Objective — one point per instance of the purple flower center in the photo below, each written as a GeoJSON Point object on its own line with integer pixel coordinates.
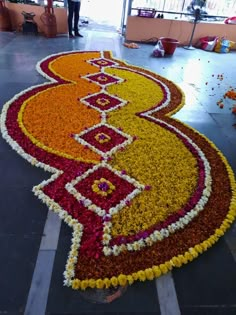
{"type": "Point", "coordinates": [103, 186]}
{"type": "Point", "coordinates": [102, 137]}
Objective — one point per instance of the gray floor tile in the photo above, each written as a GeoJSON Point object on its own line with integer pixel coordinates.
{"type": "Point", "coordinates": [17, 265]}
{"type": "Point", "coordinates": [21, 212]}
{"type": "Point", "coordinates": [140, 297]}
{"type": "Point", "coordinates": [18, 173]}
{"type": "Point", "coordinates": [208, 280]}
{"type": "Point", "coordinates": [226, 123]}
{"type": "Point", "coordinates": [210, 310]}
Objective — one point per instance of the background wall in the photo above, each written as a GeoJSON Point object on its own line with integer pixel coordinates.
{"type": "Point", "coordinates": [144, 29]}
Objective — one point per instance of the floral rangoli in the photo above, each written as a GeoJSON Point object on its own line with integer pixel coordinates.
{"type": "Point", "coordinates": [142, 192]}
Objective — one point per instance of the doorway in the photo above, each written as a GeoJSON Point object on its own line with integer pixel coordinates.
{"type": "Point", "coordinates": [103, 14]}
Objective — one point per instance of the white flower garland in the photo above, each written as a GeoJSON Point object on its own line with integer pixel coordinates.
{"type": "Point", "coordinates": [93, 61]}
{"type": "Point", "coordinates": [102, 73]}
{"type": "Point", "coordinates": [78, 227]}
{"type": "Point", "coordinates": [105, 156]}
{"type": "Point", "coordinates": [85, 102]}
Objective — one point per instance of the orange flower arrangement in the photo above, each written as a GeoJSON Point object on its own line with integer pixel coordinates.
{"type": "Point", "coordinates": [139, 189]}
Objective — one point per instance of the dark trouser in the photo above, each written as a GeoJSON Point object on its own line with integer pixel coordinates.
{"type": "Point", "coordinates": [73, 12]}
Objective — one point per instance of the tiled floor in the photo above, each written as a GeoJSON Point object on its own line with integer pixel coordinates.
{"type": "Point", "coordinates": [205, 286]}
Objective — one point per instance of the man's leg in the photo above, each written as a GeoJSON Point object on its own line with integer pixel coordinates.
{"type": "Point", "coordinates": [76, 19]}
{"type": "Point", "coordinates": [70, 15]}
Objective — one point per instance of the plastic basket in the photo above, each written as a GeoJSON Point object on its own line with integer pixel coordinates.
{"type": "Point", "coordinates": [146, 12]}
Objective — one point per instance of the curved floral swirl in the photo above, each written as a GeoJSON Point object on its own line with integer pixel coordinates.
{"type": "Point", "coordinates": [140, 189]}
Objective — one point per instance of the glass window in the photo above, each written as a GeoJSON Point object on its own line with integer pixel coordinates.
{"type": "Point", "coordinates": [213, 7]}
{"type": "Point", "coordinates": [219, 7]}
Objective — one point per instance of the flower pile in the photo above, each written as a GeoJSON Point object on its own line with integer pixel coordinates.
{"type": "Point", "coordinates": [141, 190]}
{"type": "Point", "coordinates": [230, 94]}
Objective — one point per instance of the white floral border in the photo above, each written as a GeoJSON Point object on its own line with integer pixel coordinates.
{"type": "Point", "coordinates": [106, 155]}
{"type": "Point", "coordinates": [102, 72]}
{"type": "Point", "coordinates": [89, 204]}
{"type": "Point", "coordinates": [52, 205]}
{"type": "Point", "coordinates": [91, 61]}
{"type": "Point", "coordinates": [122, 102]}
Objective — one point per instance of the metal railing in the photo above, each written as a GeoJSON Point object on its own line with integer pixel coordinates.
{"type": "Point", "coordinates": [203, 16]}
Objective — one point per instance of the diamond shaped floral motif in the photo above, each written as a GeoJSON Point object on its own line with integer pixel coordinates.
{"type": "Point", "coordinates": [103, 101]}
{"type": "Point", "coordinates": [104, 139]}
{"type": "Point", "coordinates": [104, 190]}
{"type": "Point", "coordinates": [103, 79]}
{"type": "Point", "coordinates": [102, 62]}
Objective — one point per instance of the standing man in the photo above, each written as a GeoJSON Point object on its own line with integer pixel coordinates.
{"type": "Point", "coordinates": [73, 14]}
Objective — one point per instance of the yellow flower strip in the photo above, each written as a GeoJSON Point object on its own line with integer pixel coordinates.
{"type": "Point", "coordinates": [49, 118]}
{"type": "Point", "coordinates": [159, 159]}
{"type": "Point", "coordinates": [176, 102]}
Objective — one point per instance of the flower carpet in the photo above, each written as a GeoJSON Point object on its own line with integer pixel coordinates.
{"type": "Point", "coordinates": [142, 192]}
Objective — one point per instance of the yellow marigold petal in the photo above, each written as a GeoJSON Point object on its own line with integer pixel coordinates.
{"type": "Point", "coordinates": [135, 276]}
{"type": "Point", "coordinates": [176, 262]}
{"type": "Point", "coordinates": [114, 281]}
{"type": "Point", "coordinates": [198, 248]}
{"type": "Point", "coordinates": [75, 284]}
{"type": "Point", "coordinates": [188, 256]}
{"type": "Point", "coordinates": [204, 245]}
{"type": "Point", "coordinates": [193, 252]}
{"type": "Point", "coordinates": [107, 282]}
{"type": "Point", "coordinates": [84, 284]}
{"type": "Point", "coordinates": [163, 268]}
{"type": "Point", "coordinates": [157, 271]}
{"type": "Point", "coordinates": [219, 232]}
{"type": "Point", "coordinates": [149, 274]}
{"type": "Point", "coordinates": [99, 284]}
{"type": "Point", "coordinates": [130, 279]}
{"type": "Point", "coordinates": [141, 275]}
{"type": "Point", "coordinates": [92, 283]}
{"type": "Point", "coordinates": [122, 280]}
{"type": "Point", "coordinates": [168, 265]}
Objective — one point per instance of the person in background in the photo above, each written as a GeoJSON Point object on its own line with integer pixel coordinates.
{"type": "Point", "coordinates": [73, 16]}
{"type": "Point", "coordinates": [197, 4]}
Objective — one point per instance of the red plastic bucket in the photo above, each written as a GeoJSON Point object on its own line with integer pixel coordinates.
{"type": "Point", "coordinates": [169, 45]}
